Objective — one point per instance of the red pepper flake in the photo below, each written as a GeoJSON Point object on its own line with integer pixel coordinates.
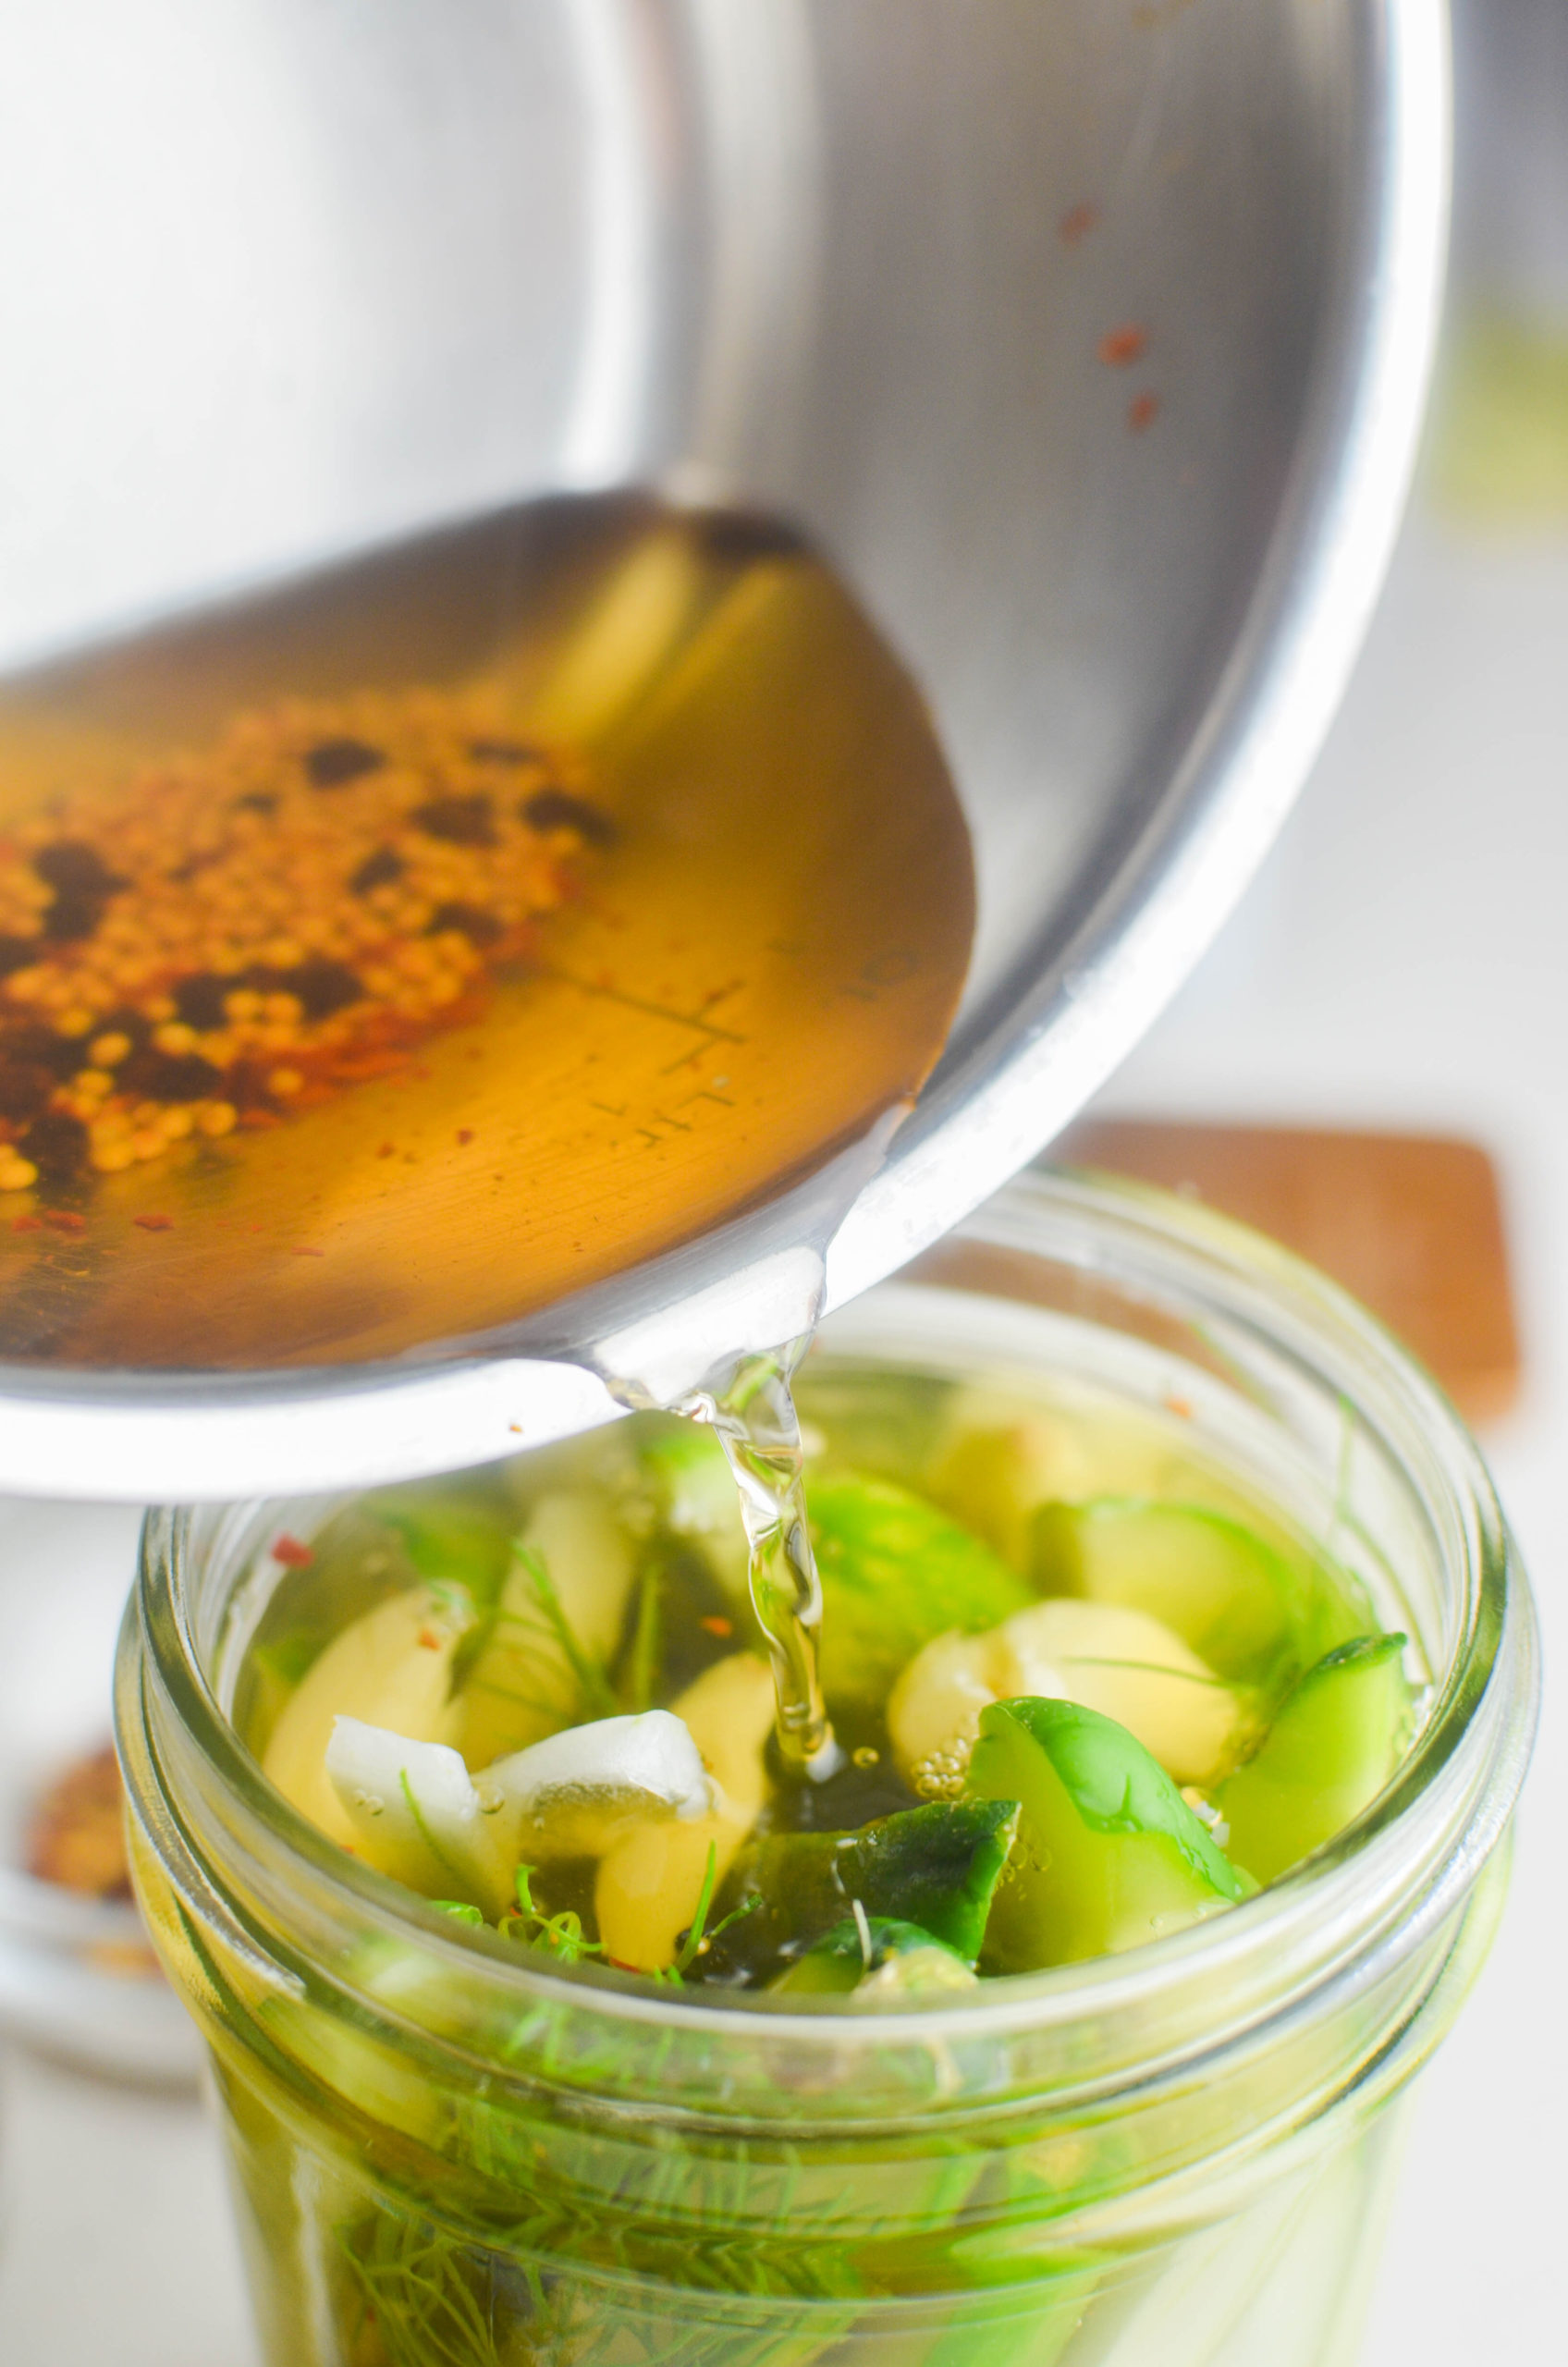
{"type": "Point", "coordinates": [717, 1627]}
{"type": "Point", "coordinates": [465, 1134]}
{"type": "Point", "coordinates": [387, 1151]}
{"type": "Point", "coordinates": [150, 1224]}
{"type": "Point", "coordinates": [1142, 411]}
{"type": "Point", "coordinates": [26, 1225]}
{"type": "Point", "coordinates": [1077, 223]}
{"type": "Point", "coordinates": [64, 1220]}
{"type": "Point", "coordinates": [429, 1639]}
{"type": "Point", "coordinates": [291, 1553]}
{"type": "Point", "coordinates": [1180, 1406]}
{"type": "Point", "coordinates": [307, 1253]}
{"type": "Point", "coordinates": [1119, 348]}
{"type": "Point", "coordinates": [257, 1120]}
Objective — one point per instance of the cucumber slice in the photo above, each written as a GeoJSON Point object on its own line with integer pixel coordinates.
{"type": "Point", "coordinates": [1110, 1855]}
{"type": "Point", "coordinates": [1124, 1663]}
{"type": "Point", "coordinates": [554, 1632]}
{"type": "Point", "coordinates": [872, 1419]}
{"type": "Point", "coordinates": [884, 1957]}
{"type": "Point", "coordinates": [936, 1866]}
{"type": "Point", "coordinates": [695, 1499]}
{"type": "Point", "coordinates": [1326, 1755]}
{"type": "Point", "coordinates": [895, 1572]}
{"type": "Point", "coordinates": [1131, 1667]}
{"type": "Point", "coordinates": [418, 1816]}
{"type": "Point", "coordinates": [392, 1667]}
{"type": "Point", "coordinates": [453, 1537]}
{"type": "Point", "coordinates": [934, 1710]}
{"type": "Point", "coordinates": [1000, 1460]}
{"type": "Point", "coordinates": [990, 1480]}
{"type": "Point", "coordinates": [649, 1884]}
{"type": "Point", "coordinates": [1227, 1594]}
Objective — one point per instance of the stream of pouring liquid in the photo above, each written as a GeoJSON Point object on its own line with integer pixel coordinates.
{"type": "Point", "coordinates": [752, 1414]}
{"type": "Point", "coordinates": [762, 963]}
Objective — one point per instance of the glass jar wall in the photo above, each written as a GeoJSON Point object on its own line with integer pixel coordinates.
{"type": "Point", "coordinates": [448, 2155]}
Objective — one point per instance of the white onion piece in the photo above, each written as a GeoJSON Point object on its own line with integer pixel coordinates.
{"type": "Point", "coordinates": [416, 1814]}
{"type": "Point", "coordinates": [572, 1794]}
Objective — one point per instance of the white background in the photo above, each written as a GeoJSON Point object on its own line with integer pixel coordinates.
{"type": "Point", "coordinates": [1403, 961]}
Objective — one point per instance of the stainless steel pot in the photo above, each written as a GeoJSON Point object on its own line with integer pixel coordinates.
{"type": "Point", "coordinates": [285, 277]}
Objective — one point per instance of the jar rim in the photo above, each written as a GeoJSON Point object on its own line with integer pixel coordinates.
{"type": "Point", "coordinates": [1358, 1905]}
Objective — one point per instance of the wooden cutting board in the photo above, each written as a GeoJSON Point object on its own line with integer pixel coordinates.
{"type": "Point", "coordinates": [1411, 1224]}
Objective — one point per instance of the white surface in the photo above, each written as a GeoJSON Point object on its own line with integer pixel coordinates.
{"type": "Point", "coordinates": [58, 1663]}
{"type": "Point", "coordinates": [116, 2245]}
{"type": "Point", "coordinates": [1404, 960]}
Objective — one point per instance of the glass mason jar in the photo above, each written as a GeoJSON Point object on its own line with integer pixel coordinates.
{"type": "Point", "coordinates": [448, 2155]}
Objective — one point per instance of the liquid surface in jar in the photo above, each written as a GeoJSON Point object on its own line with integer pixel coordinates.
{"type": "Point", "coordinates": [387, 958]}
{"type": "Point", "coordinates": [1086, 1690]}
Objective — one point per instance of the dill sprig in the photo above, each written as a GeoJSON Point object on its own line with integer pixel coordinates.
{"type": "Point", "coordinates": [699, 1939]}
{"type": "Point", "coordinates": [560, 1936]}
{"type": "Point", "coordinates": [647, 1640]}
{"type": "Point", "coordinates": [422, 1828]}
{"type": "Point", "coordinates": [592, 1682]}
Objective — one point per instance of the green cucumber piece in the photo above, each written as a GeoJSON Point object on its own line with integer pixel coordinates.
{"type": "Point", "coordinates": [1110, 1855]}
{"type": "Point", "coordinates": [695, 1499]}
{"type": "Point", "coordinates": [936, 1866]}
{"type": "Point", "coordinates": [895, 1572]}
{"type": "Point", "coordinates": [1338, 1610]}
{"type": "Point", "coordinates": [868, 1418]}
{"type": "Point", "coordinates": [541, 1662]}
{"type": "Point", "coordinates": [369, 1553]}
{"type": "Point", "coordinates": [1326, 1755]}
{"type": "Point", "coordinates": [1225, 1593]}
{"type": "Point", "coordinates": [888, 1955]}
{"type": "Point", "coordinates": [454, 1538]}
